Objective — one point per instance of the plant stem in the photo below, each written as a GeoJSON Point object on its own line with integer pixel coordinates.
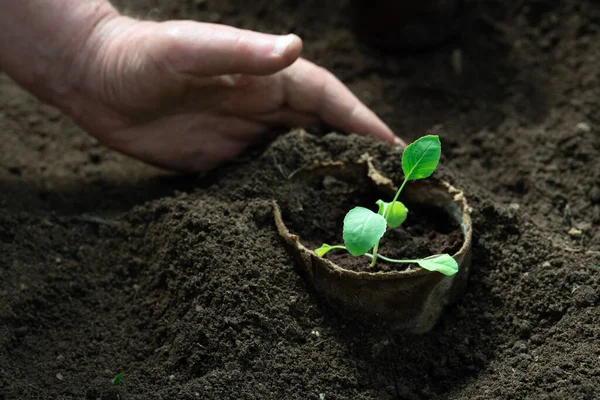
{"type": "Point", "coordinates": [374, 259]}
{"type": "Point", "coordinates": [384, 258]}
{"type": "Point", "coordinates": [338, 247]}
{"type": "Point", "coordinates": [385, 214]}
{"type": "Point", "coordinates": [393, 260]}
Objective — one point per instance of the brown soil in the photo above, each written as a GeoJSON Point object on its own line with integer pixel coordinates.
{"type": "Point", "coordinates": [184, 284]}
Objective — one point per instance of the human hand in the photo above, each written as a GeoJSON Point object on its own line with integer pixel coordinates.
{"type": "Point", "coordinates": [186, 95]}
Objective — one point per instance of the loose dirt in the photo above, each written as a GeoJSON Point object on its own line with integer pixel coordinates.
{"type": "Point", "coordinates": [182, 282]}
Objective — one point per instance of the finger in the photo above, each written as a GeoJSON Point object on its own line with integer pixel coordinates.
{"type": "Point", "coordinates": [311, 89]}
{"type": "Point", "coordinates": [204, 49]}
{"type": "Point", "coordinates": [287, 117]}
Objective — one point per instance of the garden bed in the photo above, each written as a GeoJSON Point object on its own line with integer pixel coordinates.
{"type": "Point", "coordinates": [184, 283]}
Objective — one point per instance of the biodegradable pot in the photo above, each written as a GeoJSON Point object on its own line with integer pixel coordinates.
{"type": "Point", "coordinates": [410, 300]}
{"type": "Point", "coordinates": [406, 24]}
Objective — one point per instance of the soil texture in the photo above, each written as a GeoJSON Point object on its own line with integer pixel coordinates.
{"type": "Point", "coordinates": [183, 283]}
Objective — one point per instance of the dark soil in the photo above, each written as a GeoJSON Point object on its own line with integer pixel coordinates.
{"type": "Point", "coordinates": [325, 202]}
{"type": "Point", "coordinates": [183, 283]}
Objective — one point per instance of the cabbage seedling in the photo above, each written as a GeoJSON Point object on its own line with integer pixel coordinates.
{"type": "Point", "coordinates": [363, 228]}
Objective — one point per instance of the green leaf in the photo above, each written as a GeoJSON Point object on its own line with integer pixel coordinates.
{"type": "Point", "coordinates": [321, 251]}
{"type": "Point", "coordinates": [421, 157]}
{"type": "Point", "coordinates": [382, 204]}
{"type": "Point", "coordinates": [362, 229]}
{"type": "Point", "coordinates": [118, 378]}
{"type": "Point", "coordinates": [442, 263]}
{"type": "Point", "coordinates": [396, 215]}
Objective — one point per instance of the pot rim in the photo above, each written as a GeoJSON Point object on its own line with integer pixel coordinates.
{"type": "Point", "coordinates": [466, 228]}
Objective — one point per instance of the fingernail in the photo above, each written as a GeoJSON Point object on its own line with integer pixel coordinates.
{"type": "Point", "coordinates": [282, 43]}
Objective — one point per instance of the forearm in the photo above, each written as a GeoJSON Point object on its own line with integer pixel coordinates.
{"type": "Point", "coordinates": [45, 43]}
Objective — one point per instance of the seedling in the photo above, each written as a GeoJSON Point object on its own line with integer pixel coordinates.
{"type": "Point", "coordinates": [363, 228]}
{"type": "Point", "coordinates": [117, 380]}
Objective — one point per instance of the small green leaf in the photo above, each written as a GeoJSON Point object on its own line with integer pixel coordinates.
{"type": "Point", "coordinates": [421, 157]}
{"type": "Point", "coordinates": [362, 230]}
{"type": "Point", "coordinates": [442, 263]}
{"type": "Point", "coordinates": [321, 251]}
{"type": "Point", "coordinates": [118, 378]}
{"type": "Point", "coordinates": [396, 215]}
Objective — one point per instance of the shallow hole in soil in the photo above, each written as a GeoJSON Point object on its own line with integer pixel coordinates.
{"type": "Point", "coordinates": [427, 230]}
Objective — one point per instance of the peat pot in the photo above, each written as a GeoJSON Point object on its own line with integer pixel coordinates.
{"type": "Point", "coordinates": [405, 300]}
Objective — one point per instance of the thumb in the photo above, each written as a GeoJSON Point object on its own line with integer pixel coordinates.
{"type": "Point", "coordinates": [204, 49]}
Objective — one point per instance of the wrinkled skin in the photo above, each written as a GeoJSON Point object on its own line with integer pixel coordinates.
{"type": "Point", "coordinates": [180, 94]}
